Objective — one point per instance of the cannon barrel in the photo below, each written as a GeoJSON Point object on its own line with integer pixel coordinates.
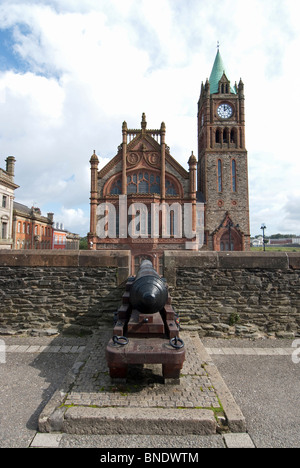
{"type": "Point", "coordinates": [148, 293]}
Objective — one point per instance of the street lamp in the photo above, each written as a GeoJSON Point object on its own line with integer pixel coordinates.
{"type": "Point", "coordinates": [263, 227]}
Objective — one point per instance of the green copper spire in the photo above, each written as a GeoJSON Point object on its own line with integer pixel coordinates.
{"type": "Point", "coordinates": [216, 74]}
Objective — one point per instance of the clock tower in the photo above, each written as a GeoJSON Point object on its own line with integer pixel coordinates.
{"type": "Point", "coordinates": [222, 161]}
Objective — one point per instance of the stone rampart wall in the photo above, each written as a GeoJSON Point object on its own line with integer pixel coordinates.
{"type": "Point", "coordinates": [219, 294]}
{"type": "Point", "coordinates": [240, 293]}
{"type": "Point", "coordinates": [70, 291]}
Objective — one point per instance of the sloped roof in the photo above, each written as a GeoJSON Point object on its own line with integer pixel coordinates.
{"type": "Point", "coordinates": [216, 74]}
{"type": "Point", "coordinates": [134, 146]}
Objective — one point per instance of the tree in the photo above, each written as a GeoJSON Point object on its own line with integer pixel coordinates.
{"type": "Point", "coordinates": [83, 244]}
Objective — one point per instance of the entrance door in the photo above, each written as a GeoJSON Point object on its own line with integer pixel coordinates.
{"type": "Point", "coordinates": [157, 262]}
{"type": "Point", "coordinates": [230, 241]}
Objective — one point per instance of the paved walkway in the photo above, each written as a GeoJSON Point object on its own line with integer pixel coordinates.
{"type": "Point", "coordinates": [90, 403]}
{"type": "Point", "coordinates": [250, 351]}
{"type": "Point", "coordinates": [145, 387]}
{"type": "Point", "coordinates": [188, 365]}
{"type": "Point", "coordinates": [32, 361]}
{"type": "Point", "coordinates": [36, 349]}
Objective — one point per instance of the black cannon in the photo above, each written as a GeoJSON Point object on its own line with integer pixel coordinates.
{"type": "Point", "coordinates": [148, 293]}
{"type": "Point", "coordinates": [146, 329]}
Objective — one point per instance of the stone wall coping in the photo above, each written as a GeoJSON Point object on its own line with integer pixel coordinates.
{"type": "Point", "coordinates": [229, 260]}
{"type": "Point", "coordinates": [119, 259]}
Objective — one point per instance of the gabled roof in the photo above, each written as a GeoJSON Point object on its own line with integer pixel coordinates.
{"type": "Point", "coordinates": [217, 72]}
{"type": "Point", "coordinates": [150, 145]}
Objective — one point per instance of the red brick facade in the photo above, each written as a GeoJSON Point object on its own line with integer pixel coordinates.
{"type": "Point", "coordinates": [144, 172]}
{"type": "Point", "coordinates": [31, 230]}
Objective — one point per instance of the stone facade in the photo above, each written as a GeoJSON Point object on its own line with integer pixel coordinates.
{"type": "Point", "coordinates": [7, 189]}
{"type": "Point", "coordinates": [31, 230]}
{"type": "Point", "coordinates": [223, 161]}
{"type": "Point", "coordinates": [144, 173]}
{"type": "Point", "coordinates": [245, 294]}
{"type": "Point", "coordinates": [70, 291]}
{"type": "Point", "coordinates": [217, 294]}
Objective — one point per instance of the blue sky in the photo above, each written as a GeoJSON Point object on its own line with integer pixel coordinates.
{"type": "Point", "coordinates": [71, 71]}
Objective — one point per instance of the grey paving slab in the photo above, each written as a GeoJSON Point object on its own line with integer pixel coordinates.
{"type": "Point", "coordinates": [46, 440]}
{"type": "Point", "coordinates": [238, 441]}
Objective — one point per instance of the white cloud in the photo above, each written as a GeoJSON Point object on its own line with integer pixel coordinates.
{"type": "Point", "coordinates": [85, 66]}
{"type": "Point", "coordinates": [45, 95]}
{"type": "Point", "coordinates": [74, 220]}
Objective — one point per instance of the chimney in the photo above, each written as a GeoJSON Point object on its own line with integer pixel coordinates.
{"type": "Point", "coordinates": [10, 166]}
{"type": "Point", "coordinates": [50, 216]}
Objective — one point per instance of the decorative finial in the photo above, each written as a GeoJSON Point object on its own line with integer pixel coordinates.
{"type": "Point", "coordinates": [192, 160]}
{"type": "Point", "coordinates": [144, 122]}
{"type": "Point", "coordinates": [218, 45]}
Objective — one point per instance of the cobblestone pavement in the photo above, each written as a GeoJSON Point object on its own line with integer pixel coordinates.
{"type": "Point", "coordinates": [145, 386]}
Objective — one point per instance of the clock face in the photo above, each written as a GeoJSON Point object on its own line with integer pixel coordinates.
{"type": "Point", "coordinates": [225, 111]}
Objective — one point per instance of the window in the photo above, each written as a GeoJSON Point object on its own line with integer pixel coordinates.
{"type": "Point", "coordinates": [224, 88]}
{"type": "Point", "coordinates": [24, 228]}
{"type": "Point", "coordinates": [116, 188]}
{"type": "Point", "coordinates": [4, 201]}
{"type": "Point", "coordinates": [144, 186]}
{"type": "Point", "coordinates": [154, 184]}
{"type": "Point", "coordinates": [19, 227]}
{"type": "Point", "coordinates": [170, 188]}
{"type": "Point", "coordinates": [4, 230]}
{"type": "Point", "coordinates": [233, 175]}
{"type": "Point", "coordinates": [143, 182]}
{"type": "Point", "coordinates": [225, 135]}
{"type": "Point", "coordinates": [131, 188]}
{"type": "Point", "coordinates": [233, 136]}
{"type": "Point", "coordinates": [220, 188]}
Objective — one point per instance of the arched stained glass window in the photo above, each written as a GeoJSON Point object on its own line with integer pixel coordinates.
{"type": "Point", "coordinates": [143, 182]}
{"type": "Point", "coordinates": [131, 188]}
{"type": "Point", "coordinates": [155, 188]}
{"type": "Point", "coordinates": [170, 188]}
{"type": "Point", "coordinates": [143, 186]}
{"type": "Point", "coordinates": [116, 188]}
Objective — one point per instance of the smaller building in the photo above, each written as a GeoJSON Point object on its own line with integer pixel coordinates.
{"type": "Point", "coordinates": [286, 241]}
{"type": "Point", "coordinates": [7, 189]}
{"type": "Point", "coordinates": [73, 241]}
{"type": "Point", "coordinates": [63, 239]}
{"type": "Point", "coordinates": [59, 236]}
{"type": "Point", "coordinates": [257, 242]}
{"type": "Point", "coordinates": [31, 230]}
